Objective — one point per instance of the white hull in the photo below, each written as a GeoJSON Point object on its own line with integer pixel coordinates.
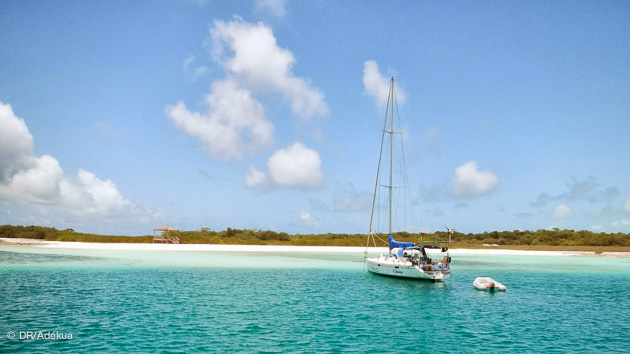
{"type": "Point", "coordinates": [394, 267]}
{"type": "Point", "coordinates": [485, 283]}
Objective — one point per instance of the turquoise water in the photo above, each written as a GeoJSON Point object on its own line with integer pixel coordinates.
{"type": "Point", "coordinates": [186, 302]}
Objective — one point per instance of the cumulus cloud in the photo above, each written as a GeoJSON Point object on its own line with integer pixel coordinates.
{"type": "Point", "coordinates": [469, 181]}
{"type": "Point", "coordinates": [562, 211]}
{"type": "Point", "coordinates": [92, 195]}
{"type": "Point", "coordinates": [295, 166]}
{"type": "Point", "coordinates": [308, 220]}
{"type": "Point", "coordinates": [40, 183]}
{"type": "Point", "coordinates": [32, 180]}
{"type": "Point", "coordinates": [257, 62]}
{"type": "Point", "coordinates": [377, 85]}
{"type": "Point", "coordinates": [16, 143]}
{"type": "Point", "coordinates": [234, 127]}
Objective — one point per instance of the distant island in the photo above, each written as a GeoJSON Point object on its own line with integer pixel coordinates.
{"type": "Point", "coordinates": [556, 239]}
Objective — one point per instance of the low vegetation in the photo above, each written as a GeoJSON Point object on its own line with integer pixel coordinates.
{"type": "Point", "coordinates": [52, 234]}
{"type": "Point", "coordinates": [517, 239]}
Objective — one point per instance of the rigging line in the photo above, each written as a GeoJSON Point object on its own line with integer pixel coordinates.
{"type": "Point", "coordinates": [391, 142]}
{"type": "Point", "coordinates": [404, 170]}
{"type": "Point", "coordinates": [379, 205]}
{"type": "Point", "coordinates": [380, 239]}
{"type": "Point", "coordinates": [373, 237]}
{"type": "Point", "coordinates": [408, 189]}
{"type": "Point", "coordinates": [378, 168]}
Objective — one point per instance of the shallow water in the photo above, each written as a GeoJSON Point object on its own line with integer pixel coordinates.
{"type": "Point", "coordinates": [181, 302]}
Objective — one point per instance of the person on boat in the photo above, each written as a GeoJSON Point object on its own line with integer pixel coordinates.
{"type": "Point", "coordinates": [425, 258]}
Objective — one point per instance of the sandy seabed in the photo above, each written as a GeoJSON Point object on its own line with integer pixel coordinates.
{"type": "Point", "coordinates": [265, 248]}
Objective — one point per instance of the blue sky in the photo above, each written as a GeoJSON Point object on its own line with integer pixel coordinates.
{"type": "Point", "coordinates": [117, 117]}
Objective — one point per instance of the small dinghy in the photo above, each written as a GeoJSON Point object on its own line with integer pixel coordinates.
{"type": "Point", "coordinates": [486, 283]}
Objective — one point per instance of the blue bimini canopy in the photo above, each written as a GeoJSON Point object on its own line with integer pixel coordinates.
{"type": "Point", "coordinates": [396, 244]}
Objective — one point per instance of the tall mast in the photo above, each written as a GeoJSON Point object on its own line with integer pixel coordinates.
{"type": "Point", "coordinates": [391, 145]}
{"type": "Point", "coordinates": [388, 111]}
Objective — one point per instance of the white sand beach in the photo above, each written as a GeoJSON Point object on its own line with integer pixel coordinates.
{"type": "Point", "coordinates": [265, 248]}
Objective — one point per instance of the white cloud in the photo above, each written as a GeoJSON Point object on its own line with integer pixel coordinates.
{"type": "Point", "coordinates": [16, 142]}
{"type": "Point", "coordinates": [470, 182]}
{"type": "Point", "coordinates": [562, 211]}
{"type": "Point", "coordinates": [46, 184]}
{"type": "Point", "coordinates": [275, 7]}
{"type": "Point", "coordinates": [40, 181]}
{"type": "Point", "coordinates": [259, 64]}
{"type": "Point", "coordinates": [37, 184]}
{"type": "Point", "coordinates": [234, 127]}
{"type": "Point", "coordinates": [255, 178]}
{"type": "Point", "coordinates": [626, 205]}
{"type": "Point", "coordinates": [309, 220]}
{"type": "Point", "coordinates": [377, 85]}
{"type": "Point", "coordinates": [92, 195]}
{"type": "Point", "coordinates": [296, 166]}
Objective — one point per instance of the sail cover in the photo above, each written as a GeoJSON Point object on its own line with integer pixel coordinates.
{"type": "Point", "coordinates": [395, 244]}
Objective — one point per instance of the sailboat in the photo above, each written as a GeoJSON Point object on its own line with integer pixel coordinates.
{"type": "Point", "coordinates": [404, 259]}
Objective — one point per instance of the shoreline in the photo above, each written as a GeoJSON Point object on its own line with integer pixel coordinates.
{"type": "Point", "coordinates": [279, 249]}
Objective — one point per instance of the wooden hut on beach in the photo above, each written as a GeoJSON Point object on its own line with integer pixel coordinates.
{"type": "Point", "coordinates": [164, 236]}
